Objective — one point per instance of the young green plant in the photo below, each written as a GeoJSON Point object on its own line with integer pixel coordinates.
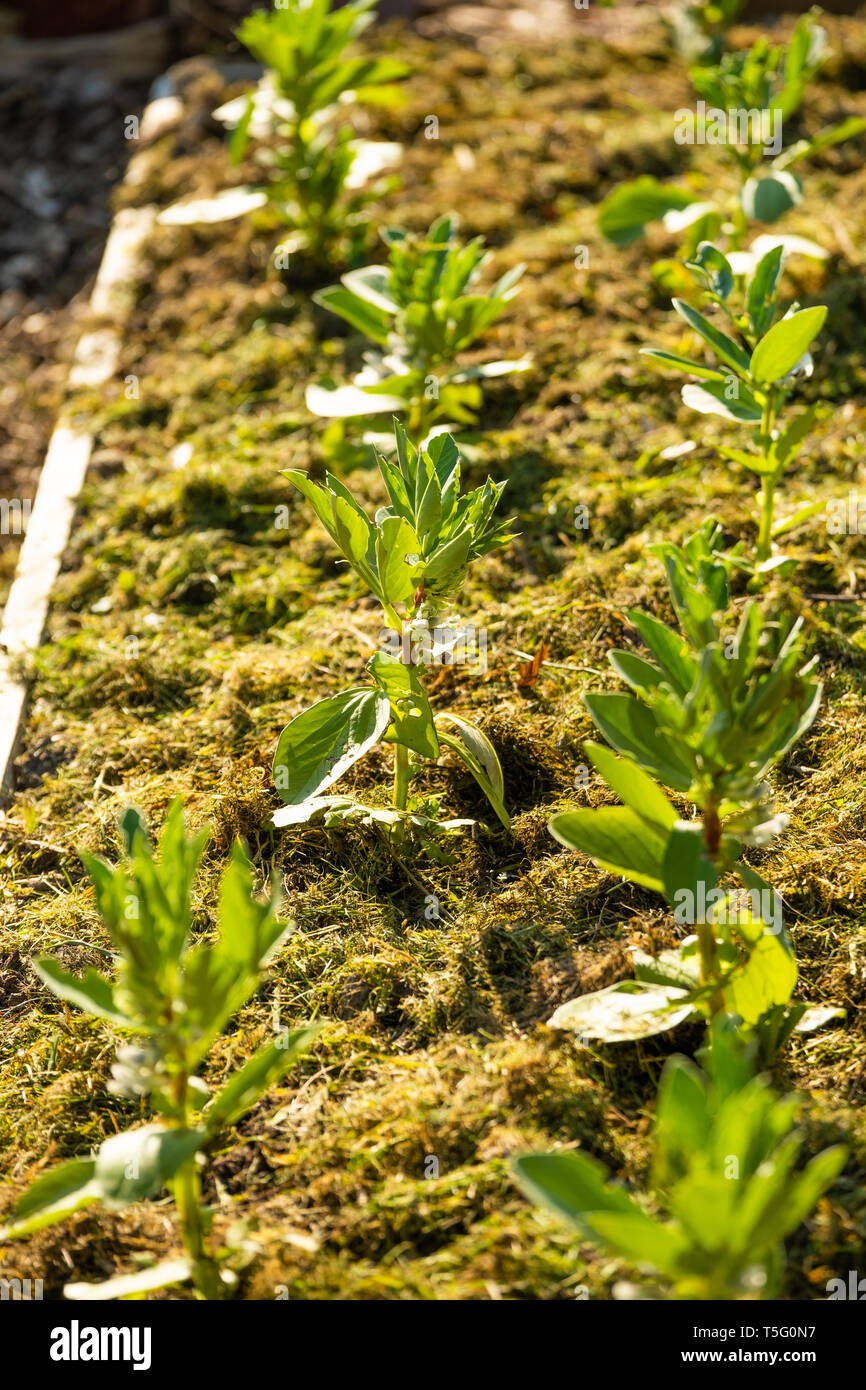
{"type": "Point", "coordinates": [745, 99]}
{"type": "Point", "coordinates": [725, 1182]}
{"type": "Point", "coordinates": [759, 364]}
{"type": "Point", "coordinates": [413, 557]}
{"type": "Point", "coordinates": [318, 171]}
{"type": "Point", "coordinates": [421, 313]}
{"type": "Point", "coordinates": [699, 30]}
{"type": "Point", "coordinates": [175, 995]}
{"type": "Point", "coordinates": [709, 713]}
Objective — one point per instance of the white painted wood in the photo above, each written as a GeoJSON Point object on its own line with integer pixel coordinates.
{"type": "Point", "coordinates": [63, 472]}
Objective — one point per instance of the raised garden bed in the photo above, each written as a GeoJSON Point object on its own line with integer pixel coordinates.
{"type": "Point", "coordinates": [191, 621]}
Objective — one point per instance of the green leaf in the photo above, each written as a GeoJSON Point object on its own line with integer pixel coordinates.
{"type": "Point", "coordinates": [830, 135]}
{"type": "Point", "coordinates": [818, 1016]}
{"type": "Point", "coordinates": [448, 562]}
{"type": "Point", "coordinates": [470, 316]}
{"type": "Point", "coordinates": [345, 522]}
{"type": "Point", "coordinates": [249, 930]}
{"type": "Point", "coordinates": [701, 1204]}
{"type": "Point", "coordinates": [256, 1076]}
{"type": "Point", "coordinates": [756, 463]}
{"type": "Point", "coordinates": [334, 810]}
{"type": "Point", "coordinates": [782, 347]}
{"type": "Point", "coordinates": [138, 1162]}
{"type": "Point", "coordinates": [813, 1182]}
{"type": "Point", "coordinates": [370, 318]}
{"type": "Point", "coordinates": [54, 1196]}
{"type": "Point", "coordinates": [323, 741]}
{"type": "Point", "coordinates": [671, 967]}
{"type": "Point", "coordinates": [669, 649]}
{"type": "Point", "coordinates": [727, 1057]}
{"type": "Point", "coordinates": [389, 96]}
{"type": "Point", "coordinates": [316, 810]}
{"type": "Point", "coordinates": [617, 838]}
{"type": "Point", "coordinates": [411, 716]}
{"type": "Point", "coordinates": [355, 538]}
{"type": "Point", "coordinates": [687, 865]}
{"type": "Point", "coordinates": [683, 364]}
{"type": "Point", "coordinates": [444, 455]}
{"type": "Point", "coordinates": [571, 1185]}
{"type": "Point", "coordinates": [715, 268]}
{"type": "Point", "coordinates": [767, 978]}
{"type": "Point", "coordinates": [671, 276]}
{"type": "Point", "coordinates": [631, 729]}
{"type": "Point", "coordinates": [726, 348]}
{"type": "Point", "coordinates": [475, 749]}
{"type": "Point", "coordinates": [797, 518]}
{"type": "Point", "coordinates": [485, 371]}
{"type": "Point", "coordinates": [90, 992]}
{"type": "Point", "coordinates": [625, 212]}
{"type": "Point", "coordinates": [768, 198]}
{"type": "Point", "coordinates": [321, 499]}
{"type": "Point", "coordinates": [761, 293]}
{"type": "Point", "coordinates": [133, 827]}
{"type": "Point", "coordinates": [353, 74]}
{"type": "Point", "coordinates": [506, 287]}
{"type": "Point", "coordinates": [428, 514]}
{"type": "Point", "coordinates": [372, 284]}
{"type": "Point", "coordinates": [641, 675]}
{"type": "Point", "coordinates": [166, 889]}
{"type": "Point", "coordinates": [632, 786]}
{"type": "Point", "coordinates": [398, 559]}
{"type": "Point", "coordinates": [637, 1237]}
{"type": "Point", "coordinates": [717, 400]}
{"type": "Point", "coordinates": [625, 1012]}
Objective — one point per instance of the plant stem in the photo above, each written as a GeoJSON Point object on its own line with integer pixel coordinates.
{"type": "Point", "coordinates": [706, 932]}
{"type": "Point", "coordinates": [768, 486]}
{"type": "Point", "coordinates": [187, 1196]}
{"type": "Point", "coordinates": [741, 227]}
{"type": "Point", "coordinates": [401, 776]}
{"type": "Point", "coordinates": [765, 531]}
{"type": "Point", "coordinates": [401, 753]}
{"type": "Point", "coordinates": [712, 830]}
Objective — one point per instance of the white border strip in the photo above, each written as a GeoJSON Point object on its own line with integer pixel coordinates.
{"type": "Point", "coordinates": [95, 361]}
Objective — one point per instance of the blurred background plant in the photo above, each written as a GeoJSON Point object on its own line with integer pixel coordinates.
{"type": "Point", "coordinates": [318, 174]}
{"type": "Point", "coordinates": [745, 99]}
